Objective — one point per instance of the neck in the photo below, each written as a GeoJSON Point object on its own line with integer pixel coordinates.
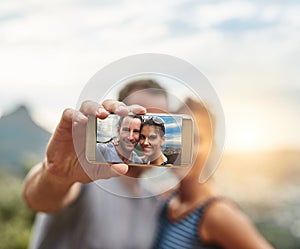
{"type": "Point", "coordinates": [193, 192]}
{"type": "Point", "coordinates": [190, 188]}
{"type": "Point", "coordinates": [159, 159]}
{"type": "Point", "coordinates": [125, 156]}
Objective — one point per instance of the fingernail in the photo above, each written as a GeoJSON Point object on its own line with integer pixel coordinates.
{"type": "Point", "coordinates": [101, 111]}
{"type": "Point", "coordinates": [121, 109]}
{"type": "Point", "coordinates": [80, 117]}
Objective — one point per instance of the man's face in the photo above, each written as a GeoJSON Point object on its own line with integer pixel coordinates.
{"type": "Point", "coordinates": [129, 133]}
{"type": "Point", "coordinates": [154, 103]}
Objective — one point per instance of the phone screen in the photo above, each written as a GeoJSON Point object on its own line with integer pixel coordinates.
{"type": "Point", "coordinates": [152, 139]}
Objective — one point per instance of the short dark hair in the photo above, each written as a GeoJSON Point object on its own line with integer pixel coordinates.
{"type": "Point", "coordinates": [154, 121]}
{"type": "Point", "coordinates": [129, 115]}
{"type": "Point", "coordinates": [145, 84]}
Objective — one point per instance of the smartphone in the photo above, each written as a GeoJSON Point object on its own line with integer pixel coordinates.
{"type": "Point", "coordinates": [164, 140]}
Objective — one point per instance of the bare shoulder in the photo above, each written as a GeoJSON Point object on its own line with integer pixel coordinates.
{"type": "Point", "coordinates": [219, 214]}
{"type": "Point", "coordinates": [225, 224]}
{"type": "Point", "coordinates": [224, 211]}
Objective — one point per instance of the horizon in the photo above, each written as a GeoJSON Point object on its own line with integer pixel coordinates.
{"type": "Point", "coordinates": [227, 151]}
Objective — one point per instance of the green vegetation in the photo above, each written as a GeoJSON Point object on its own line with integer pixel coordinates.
{"type": "Point", "coordinates": [280, 237]}
{"type": "Point", "coordinates": [276, 224]}
{"type": "Point", "coordinates": [15, 219]}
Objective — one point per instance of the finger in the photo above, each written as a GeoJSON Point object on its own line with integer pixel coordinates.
{"type": "Point", "coordinates": [103, 171]}
{"type": "Point", "coordinates": [116, 107]}
{"type": "Point", "coordinates": [78, 117]}
{"type": "Point", "coordinates": [137, 109]}
{"type": "Point", "coordinates": [121, 169]}
{"type": "Point", "coordinates": [121, 109]}
{"type": "Point", "coordinates": [93, 108]}
{"type": "Point", "coordinates": [66, 119]}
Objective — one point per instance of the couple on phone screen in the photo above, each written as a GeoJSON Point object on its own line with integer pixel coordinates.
{"type": "Point", "coordinates": [147, 132]}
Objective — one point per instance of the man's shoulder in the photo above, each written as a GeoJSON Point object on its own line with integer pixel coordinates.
{"type": "Point", "coordinates": [103, 147]}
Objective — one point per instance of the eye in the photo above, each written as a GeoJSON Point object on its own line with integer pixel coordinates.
{"type": "Point", "coordinates": [142, 137]}
{"type": "Point", "coordinates": [125, 129]}
{"type": "Point", "coordinates": [152, 137]}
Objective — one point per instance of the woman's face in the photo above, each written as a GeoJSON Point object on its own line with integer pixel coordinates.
{"type": "Point", "coordinates": [151, 141]}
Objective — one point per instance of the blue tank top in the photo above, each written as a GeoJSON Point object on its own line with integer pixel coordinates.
{"type": "Point", "coordinates": [183, 233]}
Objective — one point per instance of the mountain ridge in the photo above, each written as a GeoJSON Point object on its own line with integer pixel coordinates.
{"type": "Point", "coordinates": [22, 141]}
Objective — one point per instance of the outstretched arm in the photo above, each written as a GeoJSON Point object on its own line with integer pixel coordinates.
{"type": "Point", "coordinates": [55, 183]}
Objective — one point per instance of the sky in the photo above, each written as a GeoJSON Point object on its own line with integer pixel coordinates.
{"type": "Point", "coordinates": [249, 51]}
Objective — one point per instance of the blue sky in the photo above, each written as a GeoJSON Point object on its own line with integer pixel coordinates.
{"type": "Point", "coordinates": [173, 126]}
{"type": "Point", "coordinates": [249, 50]}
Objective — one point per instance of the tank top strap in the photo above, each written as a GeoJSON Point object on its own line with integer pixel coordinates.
{"type": "Point", "coordinates": [201, 211]}
{"type": "Point", "coordinates": [210, 201]}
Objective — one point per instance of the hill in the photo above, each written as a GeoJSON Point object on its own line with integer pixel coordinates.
{"type": "Point", "coordinates": [22, 141]}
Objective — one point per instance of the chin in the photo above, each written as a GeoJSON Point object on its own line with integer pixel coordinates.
{"type": "Point", "coordinates": [130, 146]}
{"type": "Point", "coordinates": [147, 152]}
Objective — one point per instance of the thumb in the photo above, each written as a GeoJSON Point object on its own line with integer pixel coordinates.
{"type": "Point", "coordinates": [121, 169]}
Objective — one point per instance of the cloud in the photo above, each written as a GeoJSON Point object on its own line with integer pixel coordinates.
{"type": "Point", "coordinates": [53, 48]}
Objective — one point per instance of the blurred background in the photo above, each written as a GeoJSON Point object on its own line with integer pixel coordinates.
{"type": "Point", "coordinates": [249, 51]}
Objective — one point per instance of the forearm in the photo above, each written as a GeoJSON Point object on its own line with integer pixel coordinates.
{"type": "Point", "coordinates": [45, 192]}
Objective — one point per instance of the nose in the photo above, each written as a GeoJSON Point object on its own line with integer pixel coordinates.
{"type": "Point", "coordinates": [131, 137]}
{"type": "Point", "coordinates": [147, 141]}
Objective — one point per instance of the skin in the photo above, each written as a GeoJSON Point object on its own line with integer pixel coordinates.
{"type": "Point", "coordinates": [129, 133]}
{"type": "Point", "coordinates": [154, 103]}
{"type": "Point", "coordinates": [151, 143]}
{"type": "Point", "coordinates": [223, 224]}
